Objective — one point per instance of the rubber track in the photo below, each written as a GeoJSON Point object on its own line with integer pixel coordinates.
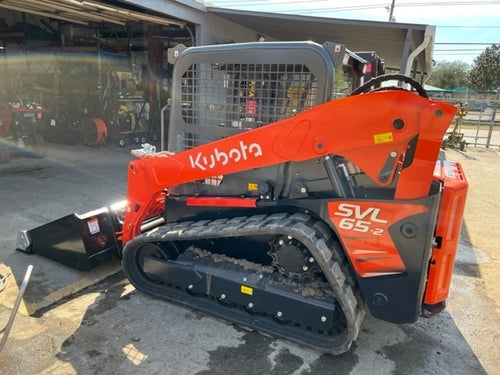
{"type": "Point", "coordinates": [314, 234]}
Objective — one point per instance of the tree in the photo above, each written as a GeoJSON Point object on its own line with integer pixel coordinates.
{"type": "Point", "coordinates": [449, 75]}
{"type": "Point", "coordinates": [485, 72]}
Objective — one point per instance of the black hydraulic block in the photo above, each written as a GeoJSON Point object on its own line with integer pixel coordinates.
{"type": "Point", "coordinates": [80, 241]}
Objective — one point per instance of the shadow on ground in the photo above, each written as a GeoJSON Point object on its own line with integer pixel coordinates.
{"type": "Point", "coordinates": [170, 339]}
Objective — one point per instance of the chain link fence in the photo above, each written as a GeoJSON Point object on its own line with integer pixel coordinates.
{"type": "Point", "coordinates": [477, 121]}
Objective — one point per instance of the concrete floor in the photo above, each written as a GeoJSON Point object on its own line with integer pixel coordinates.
{"type": "Point", "coordinates": [84, 325]}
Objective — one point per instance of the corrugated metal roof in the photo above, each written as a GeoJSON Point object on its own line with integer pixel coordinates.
{"type": "Point", "coordinates": [394, 42]}
{"type": "Point", "coordinates": [85, 12]}
{"type": "Point", "coordinates": [391, 41]}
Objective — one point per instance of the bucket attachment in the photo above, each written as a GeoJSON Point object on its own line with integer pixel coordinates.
{"type": "Point", "coordinates": [80, 241]}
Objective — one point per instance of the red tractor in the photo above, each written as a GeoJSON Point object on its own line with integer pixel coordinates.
{"type": "Point", "coordinates": [19, 130]}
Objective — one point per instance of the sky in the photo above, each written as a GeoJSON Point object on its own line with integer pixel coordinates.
{"type": "Point", "coordinates": [464, 28]}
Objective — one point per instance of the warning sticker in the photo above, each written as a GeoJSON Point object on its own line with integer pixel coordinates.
{"type": "Point", "coordinates": [93, 226]}
{"type": "Point", "coordinates": [252, 186]}
{"type": "Point", "coordinates": [246, 290]}
{"type": "Point", "coordinates": [383, 138]}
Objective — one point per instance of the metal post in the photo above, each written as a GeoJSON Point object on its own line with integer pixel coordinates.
{"type": "Point", "coordinates": [391, 12]}
{"type": "Point", "coordinates": [99, 68]}
{"type": "Point", "coordinates": [6, 329]}
{"type": "Point", "coordinates": [162, 125]}
{"type": "Point", "coordinates": [492, 120]}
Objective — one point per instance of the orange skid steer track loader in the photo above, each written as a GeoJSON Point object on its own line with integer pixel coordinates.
{"type": "Point", "coordinates": [289, 213]}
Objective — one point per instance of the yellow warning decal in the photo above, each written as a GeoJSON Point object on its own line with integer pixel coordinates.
{"type": "Point", "coordinates": [252, 186]}
{"type": "Point", "coordinates": [383, 138]}
{"type": "Point", "coordinates": [246, 290]}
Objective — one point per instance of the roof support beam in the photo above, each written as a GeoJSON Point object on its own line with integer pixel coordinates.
{"type": "Point", "coordinates": [83, 12]}
{"type": "Point", "coordinates": [134, 15]}
{"type": "Point", "coordinates": [43, 14]}
{"type": "Point", "coordinates": [70, 11]}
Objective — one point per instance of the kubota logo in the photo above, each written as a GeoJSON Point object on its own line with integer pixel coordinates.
{"type": "Point", "coordinates": [236, 154]}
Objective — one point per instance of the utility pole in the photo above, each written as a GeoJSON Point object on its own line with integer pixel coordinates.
{"type": "Point", "coordinates": [391, 11]}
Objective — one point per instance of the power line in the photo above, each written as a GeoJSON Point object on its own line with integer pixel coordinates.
{"type": "Point", "coordinates": [254, 2]}
{"type": "Point", "coordinates": [444, 52]}
{"type": "Point", "coordinates": [458, 50]}
{"type": "Point", "coordinates": [347, 7]}
{"type": "Point", "coordinates": [358, 7]}
{"type": "Point", "coordinates": [445, 3]}
{"type": "Point", "coordinates": [260, 2]}
{"type": "Point", "coordinates": [466, 44]}
{"type": "Point", "coordinates": [470, 27]}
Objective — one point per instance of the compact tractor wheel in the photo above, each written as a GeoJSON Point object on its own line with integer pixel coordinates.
{"type": "Point", "coordinates": [122, 142]}
{"type": "Point", "coordinates": [36, 146]}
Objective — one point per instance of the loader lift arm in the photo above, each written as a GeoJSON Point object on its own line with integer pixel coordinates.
{"type": "Point", "coordinates": [372, 130]}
